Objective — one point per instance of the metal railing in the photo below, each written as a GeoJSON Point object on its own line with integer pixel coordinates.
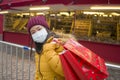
{"type": "Point", "coordinates": [15, 62]}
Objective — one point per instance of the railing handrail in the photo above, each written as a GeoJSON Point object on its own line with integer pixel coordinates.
{"type": "Point", "coordinates": [17, 45]}
{"type": "Point", "coordinates": [112, 65]}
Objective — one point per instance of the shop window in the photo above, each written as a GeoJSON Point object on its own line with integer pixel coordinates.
{"type": "Point", "coordinates": [82, 28]}
{"type": "Point", "coordinates": [97, 26]}
{"type": "Point", "coordinates": [15, 23]}
{"type": "Point", "coordinates": [105, 31]}
{"type": "Point", "coordinates": [93, 26]}
{"type": "Point", "coordinates": [61, 22]}
{"type": "Point", "coordinates": [84, 25]}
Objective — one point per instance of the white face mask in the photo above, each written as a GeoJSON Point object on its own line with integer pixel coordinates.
{"type": "Point", "coordinates": [40, 36]}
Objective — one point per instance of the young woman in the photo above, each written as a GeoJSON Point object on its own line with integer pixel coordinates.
{"type": "Point", "coordinates": [48, 64]}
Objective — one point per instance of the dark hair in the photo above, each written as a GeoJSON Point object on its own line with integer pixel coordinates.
{"type": "Point", "coordinates": [38, 47]}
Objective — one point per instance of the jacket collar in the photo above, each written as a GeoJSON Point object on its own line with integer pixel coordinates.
{"type": "Point", "coordinates": [49, 39]}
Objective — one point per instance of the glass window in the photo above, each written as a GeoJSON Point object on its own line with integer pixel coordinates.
{"type": "Point", "coordinates": [16, 22]}
{"type": "Point", "coordinates": [97, 26]}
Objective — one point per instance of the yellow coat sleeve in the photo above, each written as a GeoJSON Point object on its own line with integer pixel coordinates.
{"type": "Point", "coordinates": [51, 51]}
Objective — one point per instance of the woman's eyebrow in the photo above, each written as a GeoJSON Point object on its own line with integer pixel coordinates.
{"type": "Point", "coordinates": [38, 28]}
{"type": "Point", "coordinates": [32, 30]}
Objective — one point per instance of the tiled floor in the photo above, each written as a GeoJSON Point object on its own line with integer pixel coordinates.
{"type": "Point", "coordinates": [114, 73]}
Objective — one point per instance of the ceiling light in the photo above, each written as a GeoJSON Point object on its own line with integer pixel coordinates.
{"type": "Point", "coordinates": [115, 14]}
{"type": "Point", "coordinates": [3, 12]}
{"type": "Point", "coordinates": [105, 7]}
{"type": "Point", "coordinates": [39, 8]}
{"type": "Point", "coordinates": [52, 14]}
{"type": "Point", "coordinates": [40, 13]}
{"type": "Point", "coordinates": [58, 15]}
{"type": "Point", "coordinates": [105, 15]}
{"type": "Point", "coordinates": [25, 13]}
{"type": "Point", "coordinates": [64, 13]}
{"type": "Point", "coordinates": [93, 13]}
{"type": "Point", "coordinates": [110, 15]}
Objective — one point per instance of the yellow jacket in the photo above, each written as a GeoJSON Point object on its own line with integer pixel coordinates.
{"type": "Point", "coordinates": [50, 64]}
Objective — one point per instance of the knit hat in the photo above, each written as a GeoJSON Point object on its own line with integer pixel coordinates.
{"type": "Point", "coordinates": [37, 20]}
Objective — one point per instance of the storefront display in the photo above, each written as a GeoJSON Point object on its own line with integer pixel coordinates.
{"type": "Point", "coordinates": [102, 26]}
{"type": "Point", "coordinates": [82, 28]}
{"type": "Point", "coordinates": [15, 23]}
{"type": "Point", "coordinates": [98, 27]}
{"type": "Point", "coordinates": [105, 31]}
{"type": "Point", "coordinates": [61, 21]}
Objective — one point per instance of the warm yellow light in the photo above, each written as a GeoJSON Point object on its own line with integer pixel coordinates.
{"type": "Point", "coordinates": [105, 15]}
{"type": "Point", "coordinates": [100, 13]}
{"type": "Point", "coordinates": [18, 14]}
{"type": "Point", "coordinates": [25, 13]}
{"type": "Point", "coordinates": [95, 15]}
{"type": "Point", "coordinates": [52, 14]}
{"type": "Point", "coordinates": [58, 15]}
{"type": "Point", "coordinates": [115, 14]}
{"type": "Point", "coordinates": [32, 14]}
{"type": "Point", "coordinates": [110, 15]}
{"type": "Point", "coordinates": [72, 13]}
{"type": "Point", "coordinates": [39, 8]}
{"type": "Point", "coordinates": [105, 7]}
{"type": "Point", "coordinates": [40, 13]}
{"type": "Point", "coordinates": [64, 13]}
{"type": "Point", "coordinates": [3, 12]}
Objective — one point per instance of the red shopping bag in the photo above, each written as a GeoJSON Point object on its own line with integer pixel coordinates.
{"type": "Point", "coordinates": [72, 72]}
{"type": "Point", "coordinates": [68, 71]}
{"type": "Point", "coordinates": [92, 65]}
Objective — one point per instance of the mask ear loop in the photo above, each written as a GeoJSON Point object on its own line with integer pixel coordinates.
{"type": "Point", "coordinates": [40, 74]}
{"type": "Point", "coordinates": [31, 52]}
{"type": "Point", "coordinates": [40, 58]}
{"type": "Point", "coordinates": [39, 66]}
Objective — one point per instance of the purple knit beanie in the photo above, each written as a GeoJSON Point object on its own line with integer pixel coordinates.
{"type": "Point", "coordinates": [37, 20]}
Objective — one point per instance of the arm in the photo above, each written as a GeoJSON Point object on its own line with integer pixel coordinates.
{"type": "Point", "coordinates": [51, 52]}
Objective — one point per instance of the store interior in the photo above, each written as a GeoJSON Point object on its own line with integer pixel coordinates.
{"type": "Point", "coordinates": [85, 23]}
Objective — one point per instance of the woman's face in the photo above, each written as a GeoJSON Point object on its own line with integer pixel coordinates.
{"type": "Point", "coordinates": [39, 33]}
{"type": "Point", "coordinates": [35, 28]}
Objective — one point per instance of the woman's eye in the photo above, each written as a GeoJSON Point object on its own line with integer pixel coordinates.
{"type": "Point", "coordinates": [32, 32]}
{"type": "Point", "coordinates": [39, 29]}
